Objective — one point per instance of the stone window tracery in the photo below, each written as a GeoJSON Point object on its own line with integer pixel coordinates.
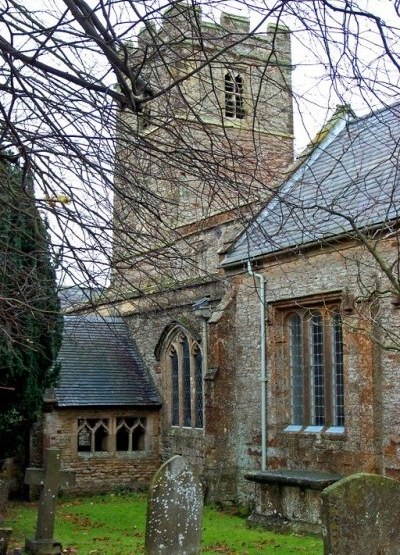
{"type": "Point", "coordinates": [130, 434]}
{"type": "Point", "coordinates": [184, 374]}
{"type": "Point", "coordinates": [114, 434]}
{"type": "Point", "coordinates": [93, 435]}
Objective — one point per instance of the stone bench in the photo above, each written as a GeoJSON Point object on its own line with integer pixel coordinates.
{"type": "Point", "coordinates": [289, 499]}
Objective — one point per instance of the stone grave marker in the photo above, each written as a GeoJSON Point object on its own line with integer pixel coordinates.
{"type": "Point", "coordinates": [51, 478]}
{"type": "Point", "coordinates": [361, 516]}
{"type": "Point", "coordinates": [174, 513]}
{"type": "Point", "coordinates": [5, 478]}
{"type": "Point", "coordinates": [5, 534]}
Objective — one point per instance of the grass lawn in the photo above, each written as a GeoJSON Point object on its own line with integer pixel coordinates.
{"type": "Point", "coordinates": [114, 525]}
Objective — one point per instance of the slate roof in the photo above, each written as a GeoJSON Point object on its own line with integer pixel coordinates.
{"type": "Point", "coordinates": [100, 366]}
{"type": "Point", "coordinates": [72, 295]}
{"type": "Point", "coordinates": [349, 182]}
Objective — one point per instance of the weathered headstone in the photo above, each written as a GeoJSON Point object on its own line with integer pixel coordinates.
{"type": "Point", "coordinates": [4, 486]}
{"type": "Point", "coordinates": [361, 515]}
{"type": "Point", "coordinates": [5, 479]}
{"type": "Point", "coordinates": [5, 534]}
{"type": "Point", "coordinates": [51, 478]}
{"type": "Point", "coordinates": [174, 513]}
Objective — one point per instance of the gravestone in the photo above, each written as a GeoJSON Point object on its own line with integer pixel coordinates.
{"type": "Point", "coordinates": [361, 515]}
{"type": "Point", "coordinates": [51, 478]}
{"type": "Point", "coordinates": [5, 478]}
{"type": "Point", "coordinates": [174, 512]}
{"type": "Point", "coordinates": [5, 534]}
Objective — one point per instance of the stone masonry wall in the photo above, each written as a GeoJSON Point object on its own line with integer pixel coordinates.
{"type": "Point", "coordinates": [147, 318]}
{"type": "Point", "coordinates": [370, 441]}
{"type": "Point", "coordinates": [222, 440]}
{"type": "Point", "coordinates": [103, 471]}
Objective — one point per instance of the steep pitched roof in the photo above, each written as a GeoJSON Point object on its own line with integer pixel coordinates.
{"type": "Point", "coordinates": [100, 366]}
{"type": "Point", "coordinates": [348, 183]}
{"type": "Point", "coordinates": [73, 295]}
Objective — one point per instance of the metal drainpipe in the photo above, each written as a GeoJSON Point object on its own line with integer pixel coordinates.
{"type": "Point", "coordinates": [205, 365]}
{"type": "Point", "coordinates": [263, 378]}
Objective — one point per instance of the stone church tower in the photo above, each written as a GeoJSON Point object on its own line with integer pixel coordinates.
{"type": "Point", "coordinates": [195, 163]}
{"type": "Point", "coordinates": [206, 148]}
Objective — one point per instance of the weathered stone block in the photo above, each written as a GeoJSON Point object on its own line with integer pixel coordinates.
{"type": "Point", "coordinates": [289, 499]}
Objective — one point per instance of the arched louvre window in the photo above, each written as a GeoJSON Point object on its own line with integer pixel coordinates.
{"type": "Point", "coordinates": [315, 360]}
{"type": "Point", "coordinates": [239, 107]}
{"type": "Point", "coordinates": [185, 376]}
{"type": "Point", "coordinates": [234, 99]}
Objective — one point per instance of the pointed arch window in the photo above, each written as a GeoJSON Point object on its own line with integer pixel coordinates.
{"type": "Point", "coordinates": [130, 434]}
{"type": "Point", "coordinates": [93, 435]}
{"type": "Point", "coordinates": [234, 99]}
{"type": "Point", "coordinates": [315, 356]}
{"type": "Point", "coordinates": [184, 372]}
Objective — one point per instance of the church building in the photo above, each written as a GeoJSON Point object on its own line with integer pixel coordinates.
{"type": "Point", "coordinates": [259, 296]}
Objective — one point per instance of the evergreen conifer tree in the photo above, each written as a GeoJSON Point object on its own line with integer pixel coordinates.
{"type": "Point", "coordinates": [30, 320]}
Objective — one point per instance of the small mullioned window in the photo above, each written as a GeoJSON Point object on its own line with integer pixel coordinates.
{"type": "Point", "coordinates": [315, 359]}
{"type": "Point", "coordinates": [100, 435]}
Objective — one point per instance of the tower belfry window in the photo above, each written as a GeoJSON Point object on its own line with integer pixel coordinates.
{"type": "Point", "coordinates": [234, 101]}
{"type": "Point", "coordinates": [144, 118]}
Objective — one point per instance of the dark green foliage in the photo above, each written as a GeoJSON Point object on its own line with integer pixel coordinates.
{"type": "Point", "coordinates": [30, 322]}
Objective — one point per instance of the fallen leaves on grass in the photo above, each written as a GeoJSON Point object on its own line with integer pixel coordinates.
{"type": "Point", "coordinates": [80, 521]}
{"type": "Point", "coordinates": [221, 548]}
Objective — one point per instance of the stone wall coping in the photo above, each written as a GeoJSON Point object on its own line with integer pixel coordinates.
{"type": "Point", "coordinates": [312, 479]}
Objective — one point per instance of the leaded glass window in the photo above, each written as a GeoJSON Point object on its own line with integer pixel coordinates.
{"type": "Point", "coordinates": [317, 369]}
{"type": "Point", "coordinates": [175, 387]}
{"type": "Point", "coordinates": [199, 387]}
{"type": "Point", "coordinates": [187, 393]}
{"type": "Point", "coordinates": [296, 370]}
{"type": "Point", "coordinates": [315, 360]}
{"type": "Point", "coordinates": [337, 366]}
{"type": "Point", "coordinates": [229, 96]}
{"type": "Point", "coordinates": [184, 372]}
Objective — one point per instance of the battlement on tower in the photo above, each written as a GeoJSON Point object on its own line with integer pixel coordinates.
{"type": "Point", "coordinates": [182, 25]}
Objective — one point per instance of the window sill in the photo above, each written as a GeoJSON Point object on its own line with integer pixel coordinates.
{"type": "Point", "coordinates": [339, 431]}
{"type": "Point", "coordinates": [114, 454]}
